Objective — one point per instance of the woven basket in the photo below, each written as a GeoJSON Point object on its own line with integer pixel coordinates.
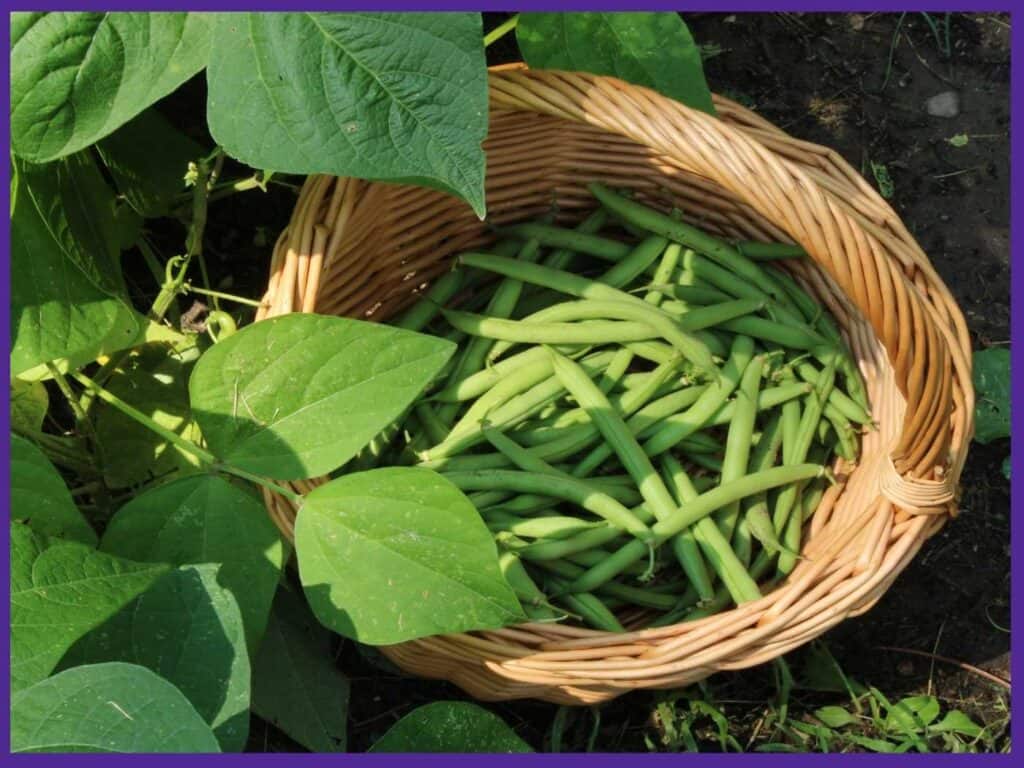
{"type": "Point", "coordinates": [366, 249]}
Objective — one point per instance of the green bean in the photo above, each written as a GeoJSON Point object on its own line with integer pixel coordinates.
{"type": "Point", "coordinates": [617, 434]}
{"type": "Point", "coordinates": [738, 439]}
{"type": "Point", "coordinates": [689, 236]}
{"type": "Point", "coordinates": [688, 514]}
{"type": "Point", "coordinates": [768, 398]}
{"type": "Point", "coordinates": [636, 263]}
{"type": "Point", "coordinates": [675, 428]}
{"type": "Point", "coordinates": [708, 535]}
{"type": "Point", "coordinates": [682, 610]}
{"type": "Point", "coordinates": [634, 595]}
{"type": "Point", "coordinates": [718, 314]}
{"type": "Point", "coordinates": [592, 224]}
{"type": "Point", "coordinates": [703, 460]}
{"type": "Point", "coordinates": [590, 557]}
{"type": "Point", "coordinates": [589, 608]}
{"type": "Point", "coordinates": [568, 239]}
{"type": "Point", "coordinates": [763, 456]}
{"type": "Point", "coordinates": [521, 331]}
{"type": "Point", "coordinates": [501, 305]}
{"type": "Point", "coordinates": [838, 399]}
{"type": "Point", "coordinates": [793, 336]}
{"type": "Point", "coordinates": [846, 445]}
{"type": "Point", "coordinates": [478, 383]}
{"type": "Point", "coordinates": [535, 603]}
{"type": "Point", "coordinates": [436, 429]}
{"type": "Point", "coordinates": [581, 542]}
{"type": "Point", "coordinates": [574, 285]}
{"type": "Point", "coordinates": [528, 504]}
{"type": "Point", "coordinates": [770, 251]}
{"type": "Point", "coordinates": [687, 549]}
{"type": "Point", "coordinates": [551, 527]}
{"type": "Point", "coordinates": [618, 367]}
{"type": "Point", "coordinates": [810, 500]}
{"type": "Point", "coordinates": [586, 495]}
{"type": "Point", "coordinates": [423, 311]}
{"type": "Point", "coordinates": [512, 399]}
{"type": "Point", "coordinates": [815, 315]}
{"type": "Point", "coordinates": [797, 443]}
{"type": "Point", "coordinates": [555, 484]}
{"type": "Point", "coordinates": [648, 417]}
{"type": "Point", "coordinates": [700, 295]}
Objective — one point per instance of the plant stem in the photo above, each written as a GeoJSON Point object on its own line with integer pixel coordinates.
{"type": "Point", "coordinates": [180, 442]}
{"type": "Point", "coordinates": [167, 434]}
{"type": "Point", "coordinates": [81, 416]}
{"type": "Point", "coordinates": [501, 30]}
{"type": "Point", "coordinates": [288, 493]}
{"type": "Point", "coordinates": [222, 295]}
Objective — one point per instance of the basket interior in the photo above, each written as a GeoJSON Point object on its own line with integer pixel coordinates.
{"type": "Point", "coordinates": [367, 250]}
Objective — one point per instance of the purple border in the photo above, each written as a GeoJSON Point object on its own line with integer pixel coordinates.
{"type": "Point", "coordinates": [590, 760]}
{"type": "Point", "coordinates": [725, 6]}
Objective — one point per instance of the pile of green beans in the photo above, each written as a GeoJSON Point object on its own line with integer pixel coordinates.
{"type": "Point", "coordinates": [643, 413]}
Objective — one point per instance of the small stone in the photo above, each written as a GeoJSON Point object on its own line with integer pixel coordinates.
{"type": "Point", "coordinates": [945, 104]}
{"type": "Point", "coordinates": [905, 667]}
{"type": "Point", "coordinates": [857, 21]}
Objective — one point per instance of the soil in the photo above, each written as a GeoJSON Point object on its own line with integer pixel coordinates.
{"type": "Point", "coordinates": [857, 83]}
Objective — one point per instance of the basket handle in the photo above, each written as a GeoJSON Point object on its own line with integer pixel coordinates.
{"type": "Point", "coordinates": [897, 303]}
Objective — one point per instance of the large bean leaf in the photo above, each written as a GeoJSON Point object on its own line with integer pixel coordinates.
{"type": "Point", "coordinates": [206, 519]}
{"type": "Point", "coordinates": [992, 392]}
{"type": "Point", "coordinates": [39, 498]}
{"type": "Point", "coordinates": [296, 684]}
{"type": "Point", "coordinates": [388, 96]}
{"type": "Point", "coordinates": [187, 629]}
{"type": "Point", "coordinates": [651, 49]}
{"type": "Point", "coordinates": [58, 593]}
{"type": "Point", "coordinates": [67, 294]}
{"type": "Point", "coordinates": [398, 553]}
{"type": "Point", "coordinates": [297, 396]}
{"type": "Point", "coordinates": [107, 708]}
{"type": "Point", "coordinates": [450, 726]}
{"type": "Point", "coordinates": [77, 77]}
{"type": "Point", "coordinates": [29, 404]}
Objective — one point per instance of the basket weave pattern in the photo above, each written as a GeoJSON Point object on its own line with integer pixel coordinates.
{"type": "Point", "coordinates": [366, 250]}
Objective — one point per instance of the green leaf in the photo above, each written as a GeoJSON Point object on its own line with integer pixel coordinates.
{"type": "Point", "coordinates": [206, 519]}
{"type": "Point", "coordinates": [450, 726]}
{"type": "Point", "coordinates": [59, 591]}
{"type": "Point", "coordinates": [1006, 467]}
{"type": "Point", "coordinates": [296, 684]}
{"type": "Point", "coordinates": [107, 708]}
{"type": "Point", "coordinates": [874, 745]}
{"type": "Point", "coordinates": [956, 721]}
{"type": "Point", "coordinates": [385, 96]}
{"type": "Point", "coordinates": [834, 717]}
{"type": "Point", "coordinates": [39, 498]}
{"type": "Point", "coordinates": [187, 629]}
{"type": "Point", "coordinates": [912, 713]}
{"type": "Point", "coordinates": [958, 140]}
{"type": "Point", "coordinates": [992, 392]}
{"type": "Point", "coordinates": [77, 77]}
{"type": "Point", "coordinates": [67, 294]}
{"type": "Point", "coordinates": [148, 158]}
{"type": "Point", "coordinates": [297, 396]}
{"type": "Point", "coordinates": [655, 50]}
{"type": "Point", "coordinates": [398, 553]}
{"type": "Point", "coordinates": [29, 404]}
{"type": "Point", "coordinates": [156, 383]}
{"type": "Point", "coordinates": [885, 186]}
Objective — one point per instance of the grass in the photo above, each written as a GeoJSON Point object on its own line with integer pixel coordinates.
{"type": "Point", "coordinates": [808, 704]}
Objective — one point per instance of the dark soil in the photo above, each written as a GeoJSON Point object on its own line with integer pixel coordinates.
{"type": "Point", "coordinates": [857, 83]}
